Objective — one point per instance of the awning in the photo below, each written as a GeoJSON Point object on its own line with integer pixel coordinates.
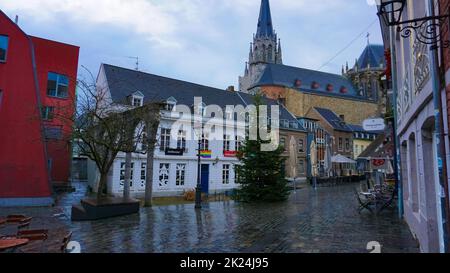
{"type": "Point", "coordinates": [342, 159]}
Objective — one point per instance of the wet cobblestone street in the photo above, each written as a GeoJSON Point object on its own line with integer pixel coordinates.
{"type": "Point", "coordinates": [321, 221]}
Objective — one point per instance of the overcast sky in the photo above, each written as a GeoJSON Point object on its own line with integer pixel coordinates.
{"type": "Point", "coordinates": [202, 41]}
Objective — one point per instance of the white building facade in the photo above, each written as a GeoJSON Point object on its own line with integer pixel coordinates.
{"type": "Point", "coordinates": [176, 166]}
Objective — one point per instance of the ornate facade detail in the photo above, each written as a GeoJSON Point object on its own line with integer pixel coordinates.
{"type": "Point", "coordinates": [421, 66]}
{"type": "Point", "coordinates": [164, 175]}
{"type": "Point", "coordinates": [406, 98]}
{"type": "Point", "coordinates": [428, 31]}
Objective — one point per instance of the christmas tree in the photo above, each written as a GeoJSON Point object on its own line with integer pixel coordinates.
{"type": "Point", "coordinates": [260, 173]}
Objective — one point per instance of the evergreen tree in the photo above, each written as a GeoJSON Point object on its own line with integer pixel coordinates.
{"type": "Point", "coordinates": [260, 173]}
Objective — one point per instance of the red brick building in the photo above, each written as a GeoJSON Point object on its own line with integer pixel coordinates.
{"type": "Point", "coordinates": [37, 84]}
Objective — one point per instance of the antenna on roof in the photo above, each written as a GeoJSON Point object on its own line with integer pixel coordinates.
{"type": "Point", "coordinates": [16, 21]}
{"type": "Point", "coordinates": [137, 62]}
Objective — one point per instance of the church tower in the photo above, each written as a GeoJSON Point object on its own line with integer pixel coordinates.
{"type": "Point", "coordinates": [265, 49]}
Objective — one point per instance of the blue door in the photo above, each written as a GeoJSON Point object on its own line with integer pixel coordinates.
{"type": "Point", "coordinates": [205, 178]}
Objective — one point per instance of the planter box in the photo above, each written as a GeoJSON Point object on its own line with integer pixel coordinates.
{"type": "Point", "coordinates": [95, 209]}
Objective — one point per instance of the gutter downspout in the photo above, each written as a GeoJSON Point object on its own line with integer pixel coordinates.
{"type": "Point", "coordinates": [397, 158]}
{"type": "Point", "coordinates": [39, 104]}
{"type": "Point", "coordinates": [439, 136]}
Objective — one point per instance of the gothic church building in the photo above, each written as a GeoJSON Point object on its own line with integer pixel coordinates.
{"type": "Point", "coordinates": [355, 95]}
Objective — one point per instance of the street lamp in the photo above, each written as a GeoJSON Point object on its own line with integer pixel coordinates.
{"type": "Point", "coordinates": [199, 130]}
{"type": "Point", "coordinates": [198, 189]}
{"type": "Point", "coordinates": [391, 11]}
{"type": "Point", "coordinates": [428, 30]}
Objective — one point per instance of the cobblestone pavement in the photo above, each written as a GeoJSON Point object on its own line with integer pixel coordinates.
{"type": "Point", "coordinates": [322, 221]}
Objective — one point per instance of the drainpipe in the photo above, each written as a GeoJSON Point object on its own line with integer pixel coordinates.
{"type": "Point", "coordinates": [397, 158]}
{"type": "Point", "coordinates": [439, 137]}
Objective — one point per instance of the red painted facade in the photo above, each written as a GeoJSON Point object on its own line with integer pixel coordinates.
{"type": "Point", "coordinates": [25, 153]}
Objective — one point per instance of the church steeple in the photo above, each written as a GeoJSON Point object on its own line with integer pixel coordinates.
{"type": "Point", "coordinates": [265, 49]}
{"type": "Point", "coordinates": [265, 27]}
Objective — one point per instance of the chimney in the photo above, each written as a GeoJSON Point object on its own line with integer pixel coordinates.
{"type": "Point", "coordinates": [17, 20]}
{"type": "Point", "coordinates": [231, 88]}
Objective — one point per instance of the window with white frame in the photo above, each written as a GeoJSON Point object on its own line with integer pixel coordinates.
{"type": "Point", "coordinates": [122, 173]}
{"type": "Point", "coordinates": [181, 174]}
{"type": "Point", "coordinates": [181, 140]}
{"type": "Point", "coordinates": [164, 142]}
{"type": "Point", "coordinates": [226, 143]}
{"type": "Point", "coordinates": [347, 144]}
{"type": "Point", "coordinates": [143, 174]}
{"type": "Point", "coordinates": [226, 174]}
{"type": "Point", "coordinates": [301, 145]}
{"type": "Point", "coordinates": [164, 171]}
{"type": "Point", "coordinates": [170, 104]}
{"type": "Point", "coordinates": [143, 171]}
{"type": "Point", "coordinates": [341, 144]}
{"type": "Point", "coordinates": [205, 142]}
{"type": "Point", "coordinates": [137, 102]}
{"type": "Point", "coordinates": [237, 143]}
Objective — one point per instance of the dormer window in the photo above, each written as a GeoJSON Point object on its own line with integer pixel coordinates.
{"type": "Point", "coordinates": [298, 83]}
{"type": "Point", "coordinates": [137, 102]}
{"type": "Point", "coordinates": [344, 90]}
{"type": "Point", "coordinates": [137, 99]}
{"type": "Point", "coordinates": [315, 85]}
{"type": "Point", "coordinates": [330, 88]}
{"type": "Point", "coordinates": [170, 104]}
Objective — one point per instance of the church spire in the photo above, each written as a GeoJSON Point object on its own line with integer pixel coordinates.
{"type": "Point", "coordinates": [265, 27]}
{"type": "Point", "coordinates": [279, 59]}
{"type": "Point", "coordinates": [265, 49]}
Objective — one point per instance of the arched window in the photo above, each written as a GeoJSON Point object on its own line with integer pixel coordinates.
{"type": "Point", "coordinates": [270, 53]}
{"type": "Point", "coordinates": [264, 53]}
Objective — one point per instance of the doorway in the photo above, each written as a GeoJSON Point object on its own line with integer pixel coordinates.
{"type": "Point", "coordinates": [205, 178]}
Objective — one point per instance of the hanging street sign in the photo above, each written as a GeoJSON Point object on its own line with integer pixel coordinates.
{"type": "Point", "coordinates": [174, 152]}
{"type": "Point", "coordinates": [372, 125]}
{"type": "Point", "coordinates": [230, 153]}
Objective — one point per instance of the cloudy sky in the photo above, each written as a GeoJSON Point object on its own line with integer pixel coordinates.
{"type": "Point", "coordinates": [203, 41]}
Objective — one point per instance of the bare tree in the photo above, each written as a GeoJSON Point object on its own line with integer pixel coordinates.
{"type": "Point", "coordinates": [152, 124]}
{"type": "Point", "coordinates": [103, 129]}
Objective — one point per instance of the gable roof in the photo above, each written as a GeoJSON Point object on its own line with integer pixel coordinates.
{"type": "Point", "coordinates": [381, 147]}
{"type": "Point", "coordinates": [356, 128]}
{"type": "Point", "coordinates": [123, 82]}
{"type": "Point", "coordinates": [336, 122]}
{"type": "Point", "coordinates": [372, 55]}
{"type": "Point", "coordinates": [360, 129]}
{"type": "Point", "coordinates": [288, 76]}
